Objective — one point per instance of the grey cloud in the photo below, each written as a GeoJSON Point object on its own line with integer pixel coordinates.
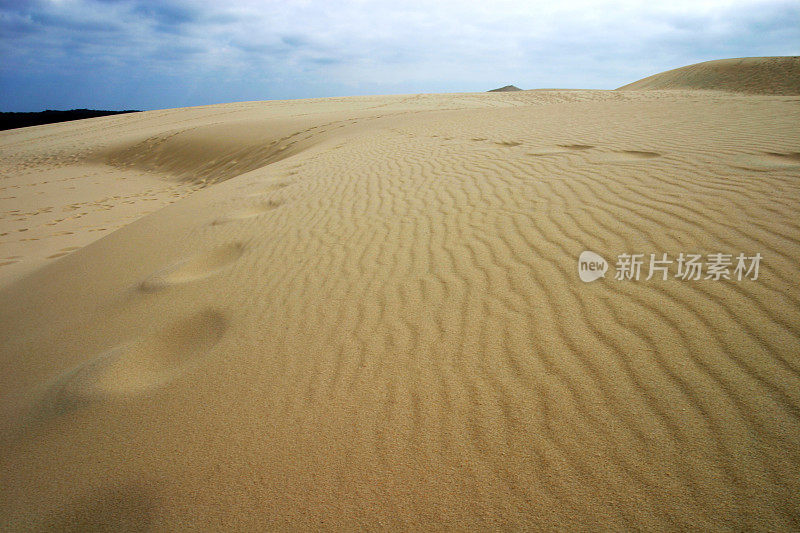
{"type": "Point", "coordinates": [313, 48]}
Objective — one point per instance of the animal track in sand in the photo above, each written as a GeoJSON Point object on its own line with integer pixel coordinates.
{"type": "Point", "coordinates": [137, 366]}
{"type": "Point", "coordinates": [250, 212]}
{"type": "Point", "coordinates": [194, 268]}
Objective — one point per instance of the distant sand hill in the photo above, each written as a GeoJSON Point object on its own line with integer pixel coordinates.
{"type": "Point", "coordinates": [753, 75]}
{"type": "Point", "coordinates": [504, 89]}
{"type": "Point", "coordinates": [366, 313]}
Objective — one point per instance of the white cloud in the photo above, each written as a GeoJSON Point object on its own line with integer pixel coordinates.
{"type": "Point", "coordinates": [317, 47]}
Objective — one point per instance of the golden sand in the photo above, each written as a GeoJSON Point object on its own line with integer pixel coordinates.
{"type": "Point", "coordinates": [365, 313]}
{"type": "Point", "coordinates": [753, 75]}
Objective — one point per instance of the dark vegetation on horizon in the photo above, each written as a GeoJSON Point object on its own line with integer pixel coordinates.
{"type": "Point", "coordinates": [11, 120]}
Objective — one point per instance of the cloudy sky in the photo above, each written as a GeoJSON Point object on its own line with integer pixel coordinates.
{"type": "Point", "coordinates": [150, 54]}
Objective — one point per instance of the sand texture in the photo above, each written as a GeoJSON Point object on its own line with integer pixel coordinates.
{"type": "Point", "coordinates": [753, 75]}
{"type": "Point", "coordinates": [365, 313]}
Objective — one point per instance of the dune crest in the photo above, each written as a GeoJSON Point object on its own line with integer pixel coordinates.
{"type": "Point", "coordinates": [751, 75]}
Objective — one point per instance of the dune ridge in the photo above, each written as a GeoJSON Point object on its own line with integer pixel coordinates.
{"type": "Point", "coordinates": [752, 75]}
{"type": "Point", "coordinates": [383, 327]}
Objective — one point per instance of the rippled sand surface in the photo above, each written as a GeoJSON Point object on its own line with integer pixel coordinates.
{"type": "Point", "coordinates": [366, 313]}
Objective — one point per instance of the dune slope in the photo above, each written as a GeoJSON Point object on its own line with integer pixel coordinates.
{"type": "Point", "coordinates": [753, 75]}
{"type": "Point", "coordinates": [373, 319]}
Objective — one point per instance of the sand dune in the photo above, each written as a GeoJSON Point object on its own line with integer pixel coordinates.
{"type": "Point", "coordinates": [504, 89]}
{"type": "Point", "coordinates": [365, 313]}
{"type": "Point", "coordinates": [753, 75]}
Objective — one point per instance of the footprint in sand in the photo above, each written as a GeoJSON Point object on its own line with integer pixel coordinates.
{"type": "Point", "coordinates": [194, 268]}
{"type": "Point", "coordinates": [137, 366]}
{"type": "Point", "coordinates": [625, 156]}
{"type": "Point", "coordinates": [274, 186]}
{"type": "Point", "coordinates": [559, 149]}
{"type": "Point", "coordinates": [779, 160]}
{"type": "Point", "coordinates": [249, 212]}
{"type": "Point", "coordinates": [791, 158]}
{"type": "Point", "coordinates": [767, 161]}
{"type": "Point", "coordinates": [576, 146]}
